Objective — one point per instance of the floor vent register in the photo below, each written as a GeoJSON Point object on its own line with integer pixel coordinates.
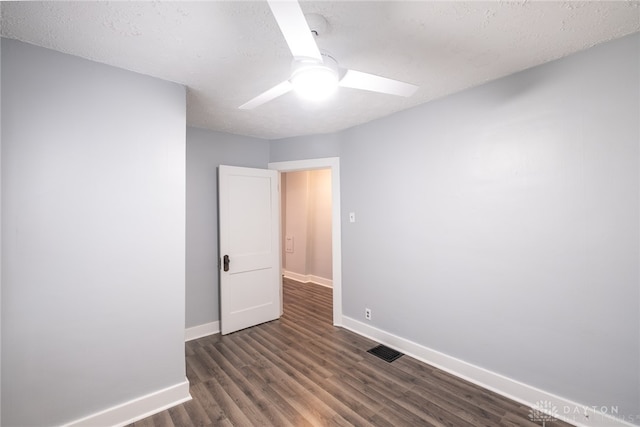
{"type": "Point", "coordinates": [385, 353]}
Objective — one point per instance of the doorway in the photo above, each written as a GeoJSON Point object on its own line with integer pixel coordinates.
{"type": "Point", "coordinates": [332, 165]}
{"type": "Point", "coordinates": [306, 226]}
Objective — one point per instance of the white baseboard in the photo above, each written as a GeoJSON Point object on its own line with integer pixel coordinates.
{"type": "Point", "coordinates": [137, 409]}
{"type": "Point", "coordinates": [202, 330]}
{"type": "Point", "coordinates": [295, 276]}
{"type": "Point", "coordinates": [306, 278]}
{"type": "Point", "coordinates": [328, 283]}
{"type": "Point", "coordinates": [566, 410]}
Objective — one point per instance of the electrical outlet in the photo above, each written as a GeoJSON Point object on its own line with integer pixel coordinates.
{"type": "Point", "coordinates": [367, 313]}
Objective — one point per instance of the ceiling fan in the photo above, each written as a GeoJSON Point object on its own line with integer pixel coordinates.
{"type": "Point", "coordinates": [315, 74]}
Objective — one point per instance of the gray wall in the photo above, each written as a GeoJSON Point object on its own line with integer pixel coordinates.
{"type": "Point", "coordinates": [0, 234]}
{"type": "Point", "coordinates": [308, 147]}
{"type": "Point", "coordinates": [500, 225]}
{"type": "Point", "coordinates": [93, 212]}
{"type": "Point", "coordinates": [206, 150]}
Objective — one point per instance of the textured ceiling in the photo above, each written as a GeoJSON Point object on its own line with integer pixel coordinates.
{"type": "Point", "coordinates": [227, 52]}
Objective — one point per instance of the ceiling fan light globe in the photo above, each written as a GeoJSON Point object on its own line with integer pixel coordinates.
{"type": "Point", "coordinates": [315, 83]}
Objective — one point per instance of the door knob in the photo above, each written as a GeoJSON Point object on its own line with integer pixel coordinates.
{"type": "Point", "coordinates": [225, 263]}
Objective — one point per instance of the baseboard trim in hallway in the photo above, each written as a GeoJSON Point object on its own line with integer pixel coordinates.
{"type": "Point", "coordinates": [308, 278]}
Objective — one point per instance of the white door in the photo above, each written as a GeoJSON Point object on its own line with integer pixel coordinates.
{"type": "Point", "coordinates": [249, 247]}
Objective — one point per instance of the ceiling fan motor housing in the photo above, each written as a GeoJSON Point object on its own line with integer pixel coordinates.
{"type": "Point", "coordinates": [317, 23]}
{"type": "Point", "coordinates": [301, 65]}
{"type": "Point", "coordinates": [314, 79]}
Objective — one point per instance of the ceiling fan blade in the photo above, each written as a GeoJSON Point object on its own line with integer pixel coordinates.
{"type": "Point", "coordinates": [295, 29]}
{"type": "Point", "coordinates": [267, 96]}
{"type": "Point", "coordinates": [365, 81]}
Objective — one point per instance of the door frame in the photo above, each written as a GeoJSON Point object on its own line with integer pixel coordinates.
{"type": "Point", "coordinates": [332, 163]}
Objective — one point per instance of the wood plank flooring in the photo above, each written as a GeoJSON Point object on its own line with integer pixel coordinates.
{"type": "Point", "coordinates": [300, 370]}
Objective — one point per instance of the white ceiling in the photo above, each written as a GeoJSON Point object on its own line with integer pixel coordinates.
{"type": "Point", "coordinates": [227, 52]}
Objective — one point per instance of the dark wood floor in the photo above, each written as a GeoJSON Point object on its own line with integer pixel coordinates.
{"type": "Point", "coordinates": [302, 371]}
